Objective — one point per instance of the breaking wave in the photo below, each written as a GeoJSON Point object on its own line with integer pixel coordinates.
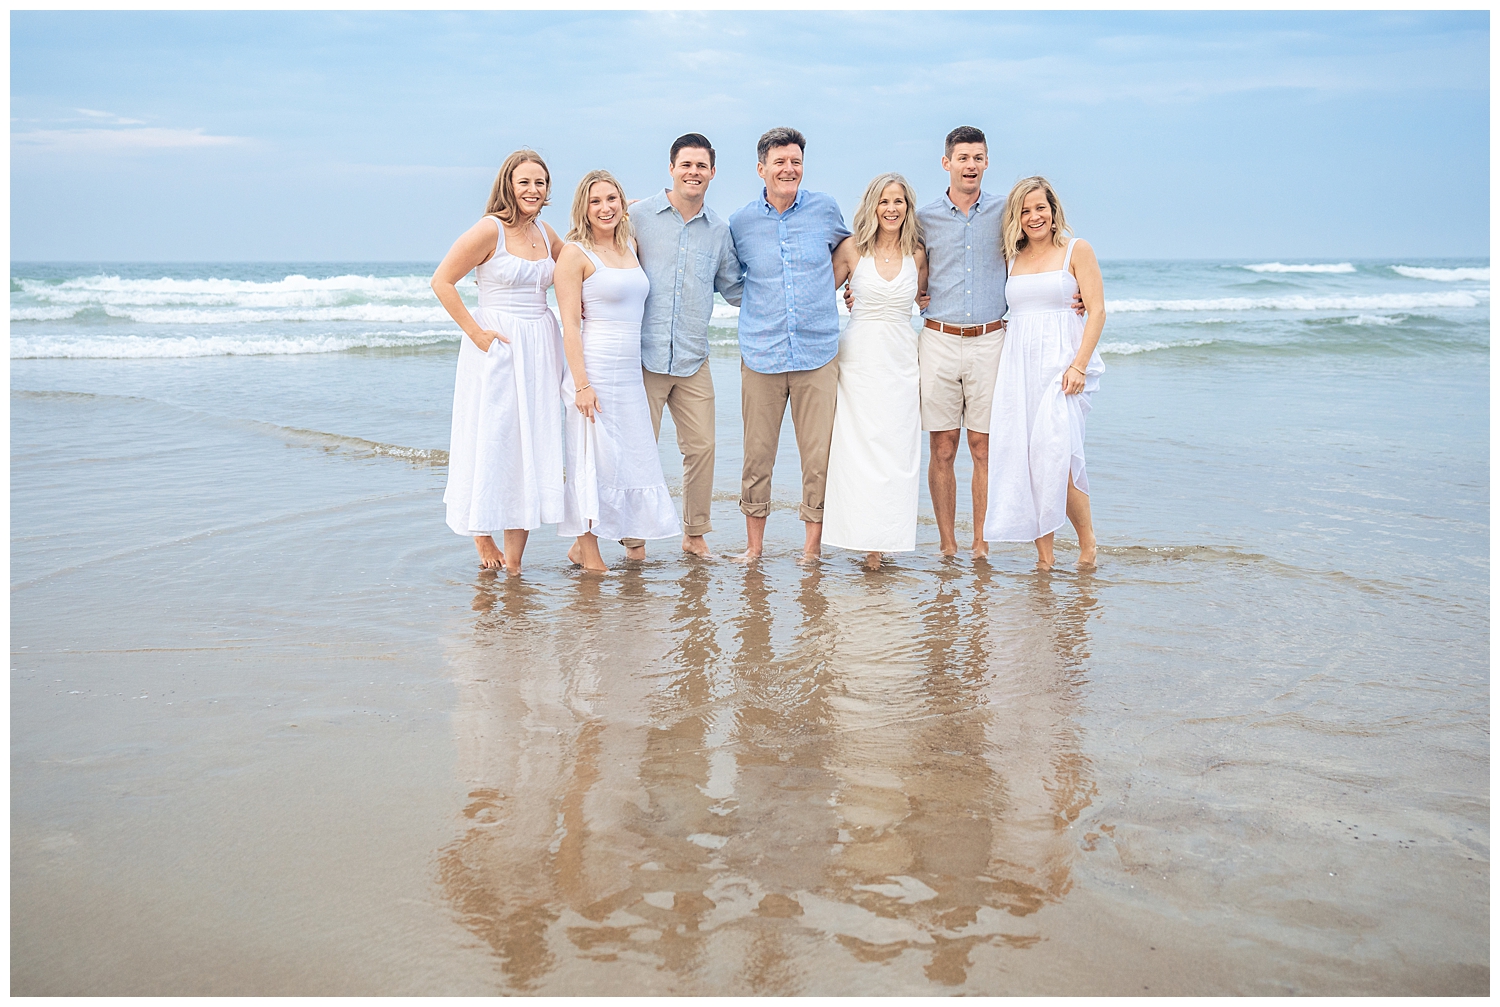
{"type": "Point", "coordinates": [1278, 267]}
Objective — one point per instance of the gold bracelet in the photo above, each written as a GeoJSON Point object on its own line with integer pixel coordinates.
{"type": "Point", "coordinates": [1080, 370]}
{"type": "Point", "coordinates": [577, 390]}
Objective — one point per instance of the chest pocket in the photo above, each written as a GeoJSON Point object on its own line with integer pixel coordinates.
{"type": "Point", "coordinates": [705, 265]}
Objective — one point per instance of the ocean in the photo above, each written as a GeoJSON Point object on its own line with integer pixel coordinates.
{"type": "Point", "coordinates": [273, 732]}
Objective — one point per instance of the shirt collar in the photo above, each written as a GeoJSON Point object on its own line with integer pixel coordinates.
{"type": "Point", "coordinates": [978, 203]}
{"type": "Point", "coordinates": [771, 210]}
{"type": "Point", "coordinates": [666, 204]}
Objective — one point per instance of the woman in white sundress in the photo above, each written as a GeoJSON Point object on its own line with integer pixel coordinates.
{"type": "Point", "coordinates": [1049, 371]}
{"type": "Point", "coordinates": [505, 456]}
{"type": "Point", "coordinates": [875, 458]}
{"type": "Point", "coordinates": [615, 487]}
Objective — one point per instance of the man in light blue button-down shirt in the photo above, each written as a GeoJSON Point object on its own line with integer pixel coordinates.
{"type": "Point", "coordinates": [687, 253]}
{"type": "Point", "coordinates": [963, 329]}
{"type": "Point", "coordinates": [789, 332]}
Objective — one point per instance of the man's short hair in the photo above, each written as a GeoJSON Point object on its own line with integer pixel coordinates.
{"type": "Point", "coordinates": [964, 134]}
{"type": "Point", "coordinates": [691, 140]}
{"type": "Point", "coordinates": [781, 136]}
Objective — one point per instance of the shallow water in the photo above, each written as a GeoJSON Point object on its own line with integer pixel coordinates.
{"type": "Point", "coordinates": [271, 732]}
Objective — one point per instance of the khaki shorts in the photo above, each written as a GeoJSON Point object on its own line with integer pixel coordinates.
{"type": "Point", "coordinates": [958, 378]}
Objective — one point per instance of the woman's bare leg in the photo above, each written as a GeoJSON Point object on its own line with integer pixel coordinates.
{"type": "Point", "coordinates": [585, 552]}
{"type": "Point", "coordinates": [872, 561]}
{"type": "Point", "coordinates": [1044, 555]}
{"type": "Point", "coordinates": [490, 556]}
{"type": "Point", "coordinates": [1082, 516]}
{"type": "Point", "coordinates": [515, 545]}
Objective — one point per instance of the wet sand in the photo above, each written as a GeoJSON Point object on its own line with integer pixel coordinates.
{"type": "Point", "coordinates": [272, 733]}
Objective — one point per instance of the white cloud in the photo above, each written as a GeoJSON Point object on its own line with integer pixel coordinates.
{"type": "Point", "coordinates": [117, 141]}
{"type": "Point", "coordinates": [94, 113]}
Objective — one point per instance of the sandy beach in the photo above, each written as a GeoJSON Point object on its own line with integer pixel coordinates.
{"type": "Point", "coordinates": [273, 733]}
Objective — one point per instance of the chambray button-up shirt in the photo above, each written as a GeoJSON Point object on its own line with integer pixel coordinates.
{"type": "Point", "coordinates": [789, 319]}
{"type": "Point", "coordinates": [965, 268]}
{"type": "Point", "coordinates": [686, 261]}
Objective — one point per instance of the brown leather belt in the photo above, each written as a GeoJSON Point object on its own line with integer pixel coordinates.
{"type": "Point", "coordinates": [966, 331]}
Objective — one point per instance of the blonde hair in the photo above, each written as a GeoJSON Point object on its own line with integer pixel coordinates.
{"type": "Point", "coordinates": [1012, 239]}
{"type": "Point", "coordinates": [582, 231]}
{"type": "Point", "coordinates": [503, 202]}
{"type": "Point", "coordinates": [867, 217]}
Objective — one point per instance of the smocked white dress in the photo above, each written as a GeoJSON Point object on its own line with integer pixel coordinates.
{"type": "Point", "coordinates": [875, 458]}
{"type": "Point", "coordinates": [615, 487]}
{"type": "Point", "coordinates": [505, 454]}
{"type": "Point", "coordinates": [1036, 431]}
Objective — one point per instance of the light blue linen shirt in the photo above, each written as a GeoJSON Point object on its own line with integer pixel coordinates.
{"type": "Point", "coordinates": [686, 261]}
{"type": "Point", "coordinates": [789, 319]}
{"type": "Point", "coordinates": [965, 267]}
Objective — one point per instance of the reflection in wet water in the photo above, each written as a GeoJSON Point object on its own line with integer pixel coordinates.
{"type": "Point", "coordinates": [742, 778]}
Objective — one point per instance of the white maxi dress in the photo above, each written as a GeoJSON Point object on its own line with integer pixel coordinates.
{"type": "Point", "coordinates": [505, 454]}
{"type": "Point", "coordinates": [615, 487]}
{"type": "Point", "coordinates": [875, 458]}
{"type": "Point", "coordinates": [1036, 431]}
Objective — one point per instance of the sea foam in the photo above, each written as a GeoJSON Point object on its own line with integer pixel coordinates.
{"type": "Point", "coordinates": [1444, 275]}
{"type": "Point", "coordinates": [1127, 349]}
{"type": "Point", "coordinates": [1278, 267]}
{"type": "Point", "coordinates": [1299, 302]}
{"type": "Point", "coordinates": [133, 347]}
{"type": "Point", "coordinates": [294, 291]}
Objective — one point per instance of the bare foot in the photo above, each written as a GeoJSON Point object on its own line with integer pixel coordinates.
{"type": "Point", "coordinates": [635, 552]}
{"type": "Point", "coordinates": [872, 561]}
{"type": "Point", "coordinates": [490, 556]}
{"type": "Point", "coordinates": [747, 557]}
{"type": "Point", "coordinates": [695, 545]}
{"type": "Point", "coordinates": [585, 553]}
{"type": "Point", "coordinates": [1087, 557]}
{"type": "Point", "coordinates": [1042, 566]}
{"type": "Point", "coordinates": [981, 549]}
{"type": "Point", "coordinates": [948, 550]}
{"type": "Point", "coordinates": [809, 558]}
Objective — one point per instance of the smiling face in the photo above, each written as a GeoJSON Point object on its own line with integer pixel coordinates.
{"type": "Point", "coordinates": [691, 172]}
{"type": "Point", "coordinates": [529, 182]}
{"type": "Point", "coordinates": [782, 171]}
{"type": "Point", "coordinates": [605, 208]}
{"type": "Point", "coordinates": [1036, 218]}
{"type": "Point", "coordinates": [965, 167]}
{"type": "Point", "coordinates": [891, 210]}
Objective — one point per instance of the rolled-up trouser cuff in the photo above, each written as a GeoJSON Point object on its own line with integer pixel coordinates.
{"type": "Point", "coordinates": [632, 543]}
{"type": "Point", "coordinates": [807, 513]}
{"type": "Point", "coordinates": [755, 509]}
{"type": "Point", "coordinates": [697, 529]}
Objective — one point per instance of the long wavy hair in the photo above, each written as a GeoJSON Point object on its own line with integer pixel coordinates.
{"type": "Point", "coordinates": [582, 231]}
{"type": "Point", "coordinates": [1012, 239]}
{"type": "Point", "coordinates": [503, 202]}
{"type": "Point", "coordinates": [867, 217]}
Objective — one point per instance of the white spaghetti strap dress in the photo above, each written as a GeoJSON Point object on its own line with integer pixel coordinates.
{"type": "Point", "coordinates": [1036, 431]}
{"type": "Point", "coordinates": [505, 455]}
{"type": "Point", "coordinates": [615, 486]}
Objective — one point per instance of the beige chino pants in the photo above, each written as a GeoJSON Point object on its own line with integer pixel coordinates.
{"type": "Point", "coordinates": [691, 400]}
{"type": "Point", "coordinates": [763, 401]}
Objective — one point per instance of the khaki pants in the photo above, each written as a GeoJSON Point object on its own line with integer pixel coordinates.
{"type": "Point", "coordinates": [691, 400]}
{"type": "Point", "coordinates": [763, 400]}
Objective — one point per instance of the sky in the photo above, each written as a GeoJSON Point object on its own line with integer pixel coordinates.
{"type": "Point", "coordinates": [283, 136]}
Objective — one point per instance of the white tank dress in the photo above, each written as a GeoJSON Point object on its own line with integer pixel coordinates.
{"type": "Point", "coordinates": [505, 454]}
{"type": "Point", "coordinates": [875, 458]}
{"type": "Point", "coordinates": [1036, 431]}
{"type": "Point", "coordinates": [615, 487]}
